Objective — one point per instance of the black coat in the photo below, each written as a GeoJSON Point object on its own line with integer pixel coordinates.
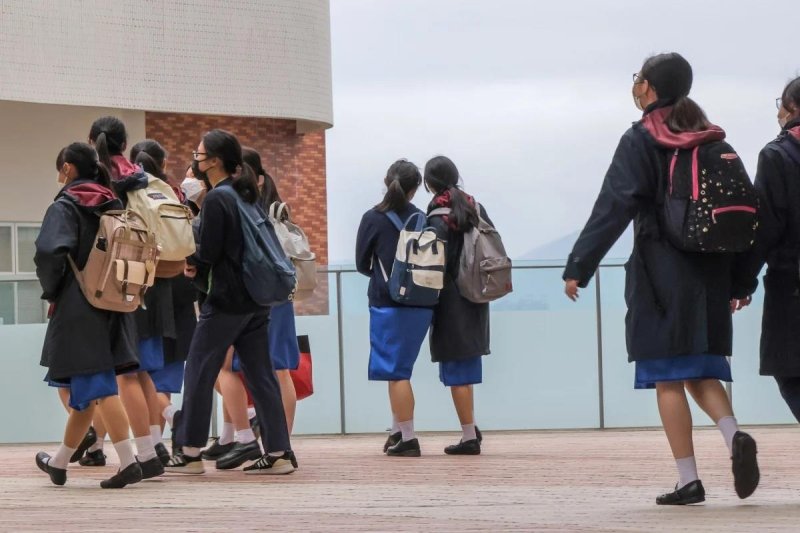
{"type": "Point", "coordinates": [777, 245]}
{"type": "Point", "coordinates": [80, 339]}
{"type": "Point", "coordinates": [460, 328]}
{"type": "Point", "coordinates": [678, 303]}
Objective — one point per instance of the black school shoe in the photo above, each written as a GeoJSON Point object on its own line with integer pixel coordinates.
{"type": "Point", "coordinates": [393, 439]}
{"type": "Point", "coordinates": [470, 447]}
{"type": "Point", "coordinates": [745, 466]}
{"type": "Point", "coordinates": [88, 440]}
{"type": "Point", "coordinates": [152, 468]}
{"type": "Point", "coordinates": [216, 450]}
{"type": "Point", "coordinates": [130, 475]}
{"type": "Point", "coordinates": [239, 454]}
{"type": "Point", "coordinates": [405, 448]}
{"type": "Point", "coordinates": [687, 495]}
{"type": "Point", "coordinates": [163, 454]}
{"type": "Point", "coordinates": [57, 475]}
{"type": "Point", "coordinates": [95, 458]}
{"type": "Point", "coordinates": [269, 465]}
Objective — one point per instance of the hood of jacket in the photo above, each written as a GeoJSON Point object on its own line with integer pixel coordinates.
{"type": "Point", "coordinates": [90, 196]}
{"type": "Point", "coordinates": [126, 176]}
{"type": "Point", "coordinates": [655, 122]}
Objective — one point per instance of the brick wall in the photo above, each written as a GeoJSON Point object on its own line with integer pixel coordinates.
{"type": "Point", "coordinates": [295, 161]}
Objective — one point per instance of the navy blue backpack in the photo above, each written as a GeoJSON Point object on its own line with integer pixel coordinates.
{"type": "Point", "coordinates": [269, 275]}
{"type": "Point", "coordinates": [418, 270]}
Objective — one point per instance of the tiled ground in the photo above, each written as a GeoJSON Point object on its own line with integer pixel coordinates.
{"type": "Point", "coordinates": [537, 481]}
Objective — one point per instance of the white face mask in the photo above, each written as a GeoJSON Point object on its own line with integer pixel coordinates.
{"type": "Point", "coordinates": [192, 188]}
{"type": "Point", "coordinates": [782, 121]}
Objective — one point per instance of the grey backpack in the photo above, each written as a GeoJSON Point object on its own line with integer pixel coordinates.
{"type": "Point", "coordinates": [484, 270]}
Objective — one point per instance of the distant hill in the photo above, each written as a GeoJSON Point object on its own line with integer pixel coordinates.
{"type": "Point", "coordinates": [559, 249]}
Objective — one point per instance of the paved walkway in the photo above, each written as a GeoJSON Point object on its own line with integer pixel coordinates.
{"type": "Point", "coordinates": [537, 481]}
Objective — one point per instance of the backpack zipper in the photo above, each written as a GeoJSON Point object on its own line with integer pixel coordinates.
{"type": "Point", "coordinates": [729, 209]}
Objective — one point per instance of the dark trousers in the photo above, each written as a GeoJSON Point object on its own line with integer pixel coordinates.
{"type": "Point", "coordinates": [215, 333]}
{"type": "Point", "coordinates": [790, 390]}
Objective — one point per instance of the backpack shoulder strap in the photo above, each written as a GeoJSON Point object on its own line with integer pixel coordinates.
{"type": "Point", "coordinates": [440, 211]}
{"type": "Point", "coordinates": [395, 219]}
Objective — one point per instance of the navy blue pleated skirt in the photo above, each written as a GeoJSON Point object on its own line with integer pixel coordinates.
{"type": "Point", "coordinates": [86, 388]}
{"type": "Point", "coordinates": [283, 348]}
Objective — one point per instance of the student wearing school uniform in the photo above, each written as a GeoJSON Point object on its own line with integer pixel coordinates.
{"type": "Point", "coordinates": [109, 137]}
{"type": "Point", "coordinates": [177, 309]}
{"type": "Point", "coordinates": [459, 336]}
{"type": "Point", "coordinates": [678, 327]}
{"type": "Point", "coordinates": [778, 183]}
{"type": "Point", "coordinates": [229, 317]}
{"type": "Point", "coordinates": [396, 331]}
{"type": "Point", "coordinates": [86, 363]}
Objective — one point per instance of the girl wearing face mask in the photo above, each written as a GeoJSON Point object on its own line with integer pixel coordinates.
{"type": "Point", "coordinates": [678, 327]}
{"type": "Point", "coordinates": [778, 184]}
{"type": "Point", "coordinates": [229, 317]}
{"type": "Point", "coordinates": [84, 347]}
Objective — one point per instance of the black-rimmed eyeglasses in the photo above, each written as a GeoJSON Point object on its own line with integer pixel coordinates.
{"type": "Point", "coordinates": [196, 155]}
{"type": "Point", "coordinates": [637, 78]}
{"type": "Point", "coordinates": [779, 102]}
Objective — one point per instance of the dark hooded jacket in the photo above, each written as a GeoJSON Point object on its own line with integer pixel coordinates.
{"type": "Point", "coordinates": [460, 328]}
{"type": "Point", "coordinates": [778, 245]}
{"type": "Point", "coordinates": [80, 339]}
{"type": "Point", "coordinates": [678, 302]}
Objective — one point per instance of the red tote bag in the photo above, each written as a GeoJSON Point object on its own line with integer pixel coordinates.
{"type": "Point", "coordinates": [302, 376]}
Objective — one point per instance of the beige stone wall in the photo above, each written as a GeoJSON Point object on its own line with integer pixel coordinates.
{"type": "Point", "coordinates": [258, 58]}
{"type": "Point", "coordinates": [30, 137]}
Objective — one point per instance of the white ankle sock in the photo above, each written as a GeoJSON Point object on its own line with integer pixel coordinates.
{"type": "Point", "coordinates": [687, 471]}
{"type": "Point", "coordinates": [144, 448]}
{"type": "Point", "coordinates": [156, 434]}
{"type": "Point", "coordinates": [169, 413]}
{"type": "Point", "coordinates": [125, 452]}
{"type": "Point", "coordinates": [61, 457]}
{"type": "Point", "coordinates": [728, 426]}
{"type": "Point", "coordinates": [251, 412]}
{"type": "Point", "coordinates": [395, 425]}
{"type": "Point", "coordinates": [468, 431]}
{"type": "Point", "coordinates": [244, 436]}
{"type": "Point", "coordinates": [407, 429]}
{"type": "Point", "coordinates": [228, 433]}
{"type": "Point", "coordinates": [192, 451]}
{"type": "Point", "coordinates": [98, 445]}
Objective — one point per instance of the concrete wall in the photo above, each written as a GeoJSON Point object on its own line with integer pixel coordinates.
{"type": "Point", "coordinates": [266, 58]}
{"type": "Point", "coordinates": [30, 137]}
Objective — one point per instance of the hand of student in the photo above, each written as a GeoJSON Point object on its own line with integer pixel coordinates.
{"type": "Point", "coordinates": [189, 271]}
{"type": "Point", "coordinates": [738, 305]}
{"type": "Point", "coordinates": [571, 289]}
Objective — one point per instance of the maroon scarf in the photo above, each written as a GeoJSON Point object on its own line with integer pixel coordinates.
{"type": "Point", "coordinates": [444, 200]}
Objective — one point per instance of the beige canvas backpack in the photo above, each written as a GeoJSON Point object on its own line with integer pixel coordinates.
{"type": "Point", "coordinates": [295, 243]}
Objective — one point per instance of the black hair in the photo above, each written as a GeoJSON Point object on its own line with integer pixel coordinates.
{"type": "Point", "coordinates": [150, 155]}
{"type": "Point", "coordinates": [670, 75]}
{"type": "Point", "coordinates": [442, 175]}
{"type": "Point", "coordinates": [790, 98]}
{"type": "Point", "coordinates": [85, 160]}
{"type": "Point", "coordinates": [109, 137]}
{"type": "Point", "coordinates": [401, 178]}
{"type": "Point", "coordinates": [226, 147]}
{"type": "Point", "coordinates": [268, 192]}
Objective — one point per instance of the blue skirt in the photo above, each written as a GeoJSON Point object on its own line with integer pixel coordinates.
{"type": "Point", "coordinates": [151, 355]}
{"type": "Point", "coordinates": [169, 380]}
{"type": "Point", "coordinates": [86, 388]}
{"type": "Point", "coordinates": [461, 372]}
{"type": "Point", "coordinates": [681, 368]}
{"type": "Point", "coordinates": [396, 335]}
{"type": "Point", "coordinates": [283, 348]}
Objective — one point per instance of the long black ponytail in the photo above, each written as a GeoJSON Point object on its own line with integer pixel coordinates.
{"type": "Point", "coordinates": [85, 160]}
{"type": "Point", "coordinates": [268, 192]}
{"type": "Point", "coordinates": [225, 146]}
{"type": "Point", "coordinates": [442, 175]}
{"type": "Point", "coordinates": [401, 179]}
{"type": "Point", "coordinates": [109, 137]}
{"type": "Point", "coordinates": [150, 155]}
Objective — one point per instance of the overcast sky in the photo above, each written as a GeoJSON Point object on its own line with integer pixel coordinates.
{"type": "Point", "coordinates": [530, 98]}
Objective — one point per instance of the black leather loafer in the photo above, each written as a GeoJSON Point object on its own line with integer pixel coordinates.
{"type": "Point", "coordinates": [470, 447]}
{"type": "Point", "coordinates": [391, 440]}
{"type": "Point", "coordinates": [130, 475]}
{"type": "Point", "coordinates": [405, 448]}
{"type": "Point", "coordinates": [687, 495]}
{"type": "Point", "coordinates": [57, 475]}
{"type": "Point", "coordinates": [216, 450]}
{"type": "Point", "coordinates": [151, 468]}
{"type": "Point", "coordinates": [745, 466]}
{"type": "Point", "coordinates": [240, 454]}
{"type": "Point", "coordinates": [95, 458]}
{"type": "Point", "coordinates": [88, 441]}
